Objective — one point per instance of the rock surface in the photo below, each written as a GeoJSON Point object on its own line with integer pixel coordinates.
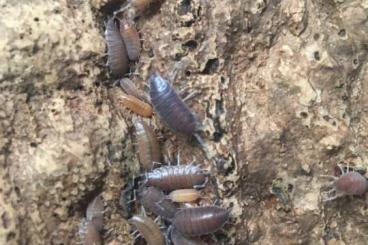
{"type": "Point", "coordinates": [281, 93]}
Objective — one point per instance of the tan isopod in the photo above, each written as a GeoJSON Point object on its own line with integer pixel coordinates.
{"type": "Point", "coordinates": [131, 39]}
{"type": "Point", "coordinates": [149, 230]}
{"type": "Point", "coordinates": [184, 195]}
{"type": "Point", "coordinates": [147, 144]}
{"type": "Point", "coordinates": [136, 105]}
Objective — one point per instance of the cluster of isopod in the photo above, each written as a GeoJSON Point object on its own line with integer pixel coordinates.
{"type": "Point", "coordinates": [169, 192]}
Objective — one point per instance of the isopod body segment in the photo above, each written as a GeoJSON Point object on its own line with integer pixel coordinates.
{"type": "Point", "coordinates": [131, 39]}
{"type": "Point", "coordinates": [117, 58]}
{"type": "Point", "coordinates": [136, 105]}
{"type": "Point", "coordinates": [170, 107]}
{"type": "Point", "coordinates": [147, 144]}
{"type": "Point", "coordinates": [170, 178]}
{"type": "Point", "coordinates": [149, 230]}
{"type": "Point", "coordinates": [200, 220]}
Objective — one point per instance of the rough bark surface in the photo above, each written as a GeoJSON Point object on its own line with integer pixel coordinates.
{"type": "Point", "coordinates": [281, 94]}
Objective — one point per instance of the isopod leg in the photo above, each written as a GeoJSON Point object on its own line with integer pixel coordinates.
{"type": "Point", "coordinates": [121, 10]}
{"type": "Point", "coordinates": [328, 177]}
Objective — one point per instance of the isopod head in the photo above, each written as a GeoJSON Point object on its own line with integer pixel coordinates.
{"type": "Point", "coordinates": [158, 83]}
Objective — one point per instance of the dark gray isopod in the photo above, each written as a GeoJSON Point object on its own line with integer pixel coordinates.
{"type": "Point", "coordinates": [117, 58]}
{"type": "Point", "coordinates": [171, 108]}
{"type": "Point", "coordinates": [200, 220]}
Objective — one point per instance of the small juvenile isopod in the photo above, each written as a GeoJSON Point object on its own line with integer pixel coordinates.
{"type": "Point", "coordinates": [349, 183]}
{"type": "Point", "coordinates": [170, 178]}
{"type": "Point", "coordinates": [131, 39]}
{"type": "Point", "coordinates": [184, 195]}
{"type": "Point", "coordinates": [149, 229]}
{"type": "Point", "coordinates": [148, 146]}
{"type": "Point", "coordinates": [154, 200]}
{"type": "Point", "coordinates": [135, 105]}
{"type": "Point", "coordinates": [117, 58]}
{"type": "Point", "coordinates": [200, 220]}
{"type": "Point", "coordinates": [171, 108]}
{"type": "Point", "coordinates": [95, 211]}
{"type": "Point", "coordinates": [128, 86]}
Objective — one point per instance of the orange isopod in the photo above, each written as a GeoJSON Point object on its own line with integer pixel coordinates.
{"type": "Point", "coordinates": [135, 105]}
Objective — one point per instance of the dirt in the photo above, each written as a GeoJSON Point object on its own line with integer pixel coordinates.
{"type": "Point", "coordinates": [280, 92]}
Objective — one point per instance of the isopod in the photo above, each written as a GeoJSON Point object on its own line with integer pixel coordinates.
{"type": "Point", "coordinates": [117, 58]}
{"type": "Point", "coordinates": [89, 234]}
{"type": "Point", "coordinates": [170, 178]}
{"type": "Point", "coordinates": [149, 229]}
{"type": "Point", "coordinates": [128, 86]}
{"type": "Point", "coordinates": [171, 108]}
{"type": "Point", "coordinates": [200, 220]}
{"type": "Point", "coordinates": [184, 195]}
{"type": "Point", "coordinates": [136, 105]}
{"type": "Point", "coordinates": [95, 211]}
{"type": "Point", "coordinates": [349, 183]}
{"type": "Point", "coordinates": [131, 39]}
{"type": "Point", "coordinates": [154, 200]}
{"type": "Point", "coordinates": [178, 239]}
{"type": "Point", "coordinates": [148, 146]}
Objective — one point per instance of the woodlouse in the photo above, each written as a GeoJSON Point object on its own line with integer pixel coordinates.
{"type": "Point", "coordinates": [349, 183]}
{"type": "Point", "coordinates": [154, 200]}
{"type": "Point", "coordinates": [95, 211]}
{"type": "Point", "coordinates": [147, 144]}
{"type": "Point", "coordinates": [170, 178]}
{"type": "Point", "coordinates": [136, 105]}
{"type": "Point", "coordinates": [149, 229]}
{"type": "Point", "coordinates": [184, 195]}
{"type": "Point", "coordinates": [128, 86]}
{"type": "Point", "coordinates": [200, 220]}
{"type": "Point", "coordinates": [171, 108]}
{"type": "Point", "coordinates": [131, 39]}
{"type": "Point", "coordinates": [117, 58]}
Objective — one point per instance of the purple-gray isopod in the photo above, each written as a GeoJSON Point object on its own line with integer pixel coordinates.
{"type": "Point", "coordinates": [117, 58]}
{"type": "Point", "coordinates": [155, 201]}
{"type": "Point", "coordinates": [349, 183]}
{"type": "Point", "coordinates": [200, 220]}
{"type": "Point", "coordinates": [171, 108]}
